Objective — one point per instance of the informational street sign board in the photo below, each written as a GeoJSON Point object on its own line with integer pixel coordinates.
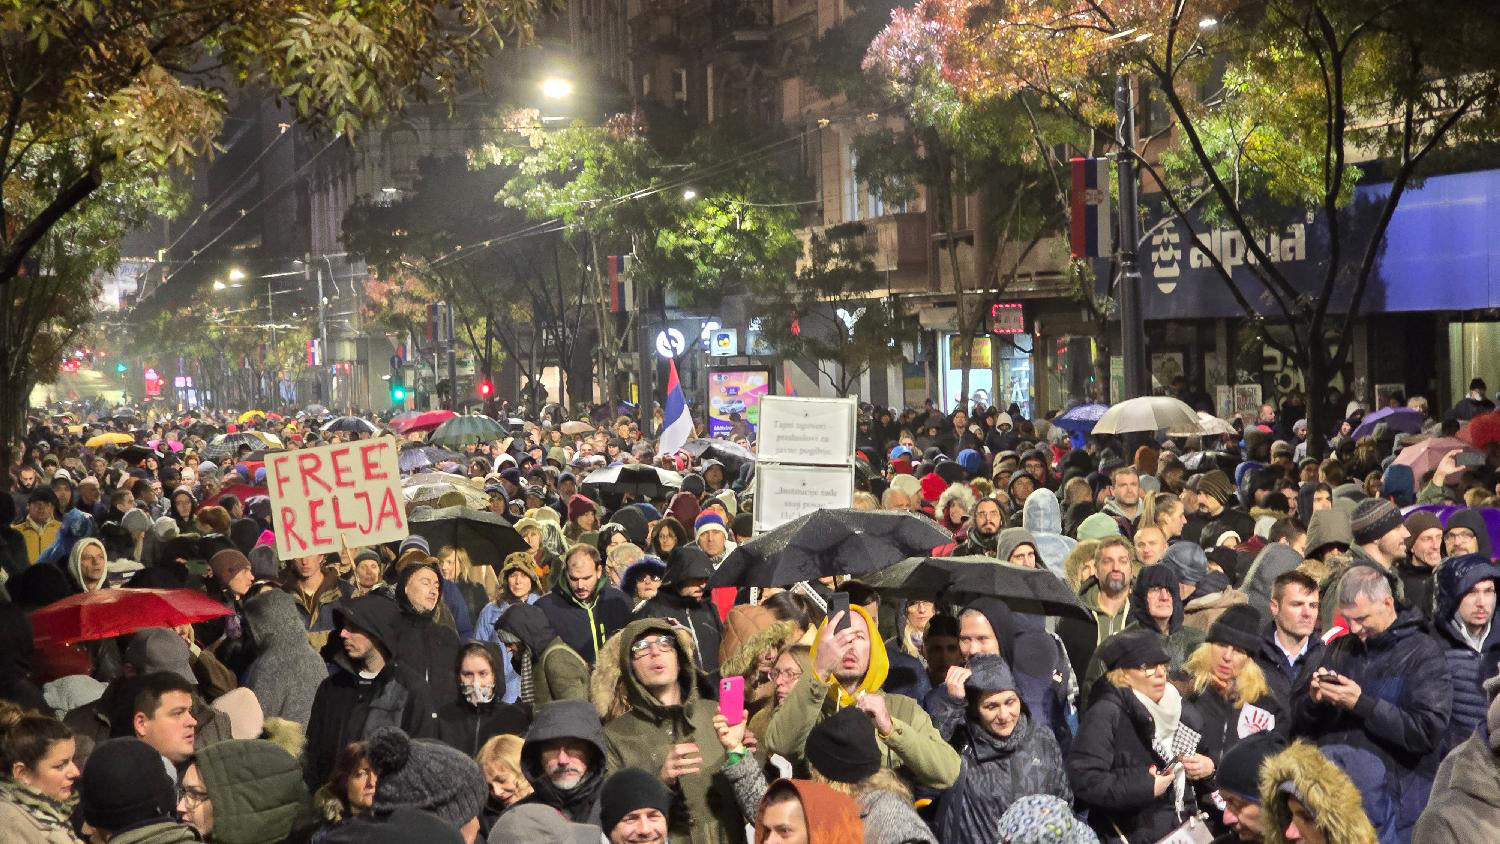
{"type": "Point", "coordinates": [723, 343]}
{"type": "Point", "coordinates": [818, 432]}
{"type": "Point", "coordinates": [336, 496]}
{"type": "Point", "coordinates": [1007, 318]}
{"type": "Point", "coordinates": [784, 492]}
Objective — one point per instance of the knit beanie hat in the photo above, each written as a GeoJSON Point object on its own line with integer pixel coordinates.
{"type": "Point", "coordinates": [842, 747]}
{"type": "Point", "coordinates": [125, 783]}
{"type": "Point", "coordinates": [1241, 626]}
{"type": "Point", "coordinates": [1373, 518]}
{"type": "Point", "coordinates": [627, 790]}
{"type": "Point", "coordinates": [1216, 485]}
{"type": "Point", "coordinates": [1239, 769]}
{"type": "Point", "coordinates": [1419, 523]}
{"type": "Point", "coordinates": [708, 521]}
{"type": "Point", "coordinates": [256, 788]}
{"type": "Point", "coordinates": [1188, 560]}
{"type": "Point", "coordinates": [264, 563]}
{"type": "Point", "coordinates": [228, 563]}
{"type": "Point", "coordinates": [907, 484]}
{"type": "Point", "coordinates": [425, 775]}
{"type": "Point", "coordinates": [1098, 526]}
{"type": "Point", "coordinates": [165, 528]}
{"type": "Point", "coordinates": [136, 521]}
{"type": "Point", "coordinates": [932, 486]}
{"type": "Point", "coordinates": [414, 541]}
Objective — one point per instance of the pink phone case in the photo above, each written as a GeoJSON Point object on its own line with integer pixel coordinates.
{"type": "Point", "coordinates": [732, 699]}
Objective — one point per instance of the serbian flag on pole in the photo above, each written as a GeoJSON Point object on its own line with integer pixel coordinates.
{"type": "Point", "coordinates": [1092, 235]}
{"type": "Point", "coordinates": [676, 425]}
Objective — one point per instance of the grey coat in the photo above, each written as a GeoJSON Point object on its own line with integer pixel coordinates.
{"type": "Point", "coordinates": [286, 671]}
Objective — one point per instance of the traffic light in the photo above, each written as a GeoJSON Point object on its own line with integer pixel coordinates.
{"type": "Point", "coordinates": [398, 393]}
{"type": "Point", "coordinates": [485, 389]}
{"type": "Point", "coordinates": [121, 367]}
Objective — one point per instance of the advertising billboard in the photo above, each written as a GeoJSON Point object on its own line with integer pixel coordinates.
{"type": "Point", "coordinates": [736, 390]}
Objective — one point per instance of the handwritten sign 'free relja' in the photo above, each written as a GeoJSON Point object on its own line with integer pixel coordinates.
{"type": "Point", "coordinates": [335, 496]}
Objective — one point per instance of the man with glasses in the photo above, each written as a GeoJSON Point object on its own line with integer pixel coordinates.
{"type": "Point", "coordinates": [1466, 534]}
{"type": "Point", "coordinates": [658, 722]}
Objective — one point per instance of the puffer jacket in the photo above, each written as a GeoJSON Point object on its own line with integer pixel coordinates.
{"type": "Point", "coordinates": [317, 609]}
{"type": "Point", "coordinates": [994, 771]}
{"type": "Point", "coordinates": [584, 625]}
{"type": "Point", "coordinates": [556, 671]}
{"type": "Point", "coordinates": [640, 731]}
{"type": "Point", "coordinates": [1042, 515]}
{"type": "Point", "coordinates": [1389, 742]}
{"type": "Point", "coordinates": [418, 642]}
{"type": "Point", "coordinates": [256, 788]}
{"type": "Point", "coordinates": [286, 671]}
{"type": "Point", "coordinates": [1470, 664]}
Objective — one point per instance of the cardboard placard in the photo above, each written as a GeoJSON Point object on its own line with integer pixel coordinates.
{"type": "Point", "coordinates": [335, 496]}
{"type": "Point", "coordinates": [783, 493]}
{"type": "Point", "coordinates": [806, 430]}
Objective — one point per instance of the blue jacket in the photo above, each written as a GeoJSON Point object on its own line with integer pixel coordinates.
{"type": "Point", "coordinates": [1390, 742]}
{"type": "Point", "coordinates": [1468, 667]}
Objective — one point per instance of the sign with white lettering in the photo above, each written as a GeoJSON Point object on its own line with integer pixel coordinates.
{"type": "Point", "coordinates": [806, 430]}
{"type": "Point", "coordinates": [335, 496]}
{"type": "Point", "coordinates": [783, 493]}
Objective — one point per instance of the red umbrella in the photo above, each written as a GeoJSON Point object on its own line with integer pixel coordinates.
{"type": "Point", "coordinates": [428, 421]}
{"type": "Point", "coordinates": [106, 613]}
{"type": "Point", "coordinates": [1482, 429]}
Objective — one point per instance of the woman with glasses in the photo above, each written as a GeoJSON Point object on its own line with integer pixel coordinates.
{"type": "Point", "coordinates": [791, 663]}
{"type": "Point", "coordinates": [1134, 764]}
{"type": "Point", "coordinates": [242, 790]}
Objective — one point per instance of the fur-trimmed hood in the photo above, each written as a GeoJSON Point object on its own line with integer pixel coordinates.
{"type": "Point", "coordinates": [747, 655]}
{"type": "Point", "coordinates": [612, 692]}
{"type": "Point", "coordinates": [955, 492]}
{"type": "Point", "coordinates": [1325, 790]}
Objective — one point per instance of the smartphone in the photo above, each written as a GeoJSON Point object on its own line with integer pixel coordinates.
{"type": "Point", "coordinates": [732, 699]}
{"type": "Point", "coordinates": [837, 604]}
{"type": "Point", "coordinates": [1470, 459]}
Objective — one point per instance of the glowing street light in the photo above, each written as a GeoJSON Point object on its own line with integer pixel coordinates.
{"type": "Point", "coordinates": [557, 88]}
{"type": "Point", "coordinates": [219, 285]}
{"type": "Point", "coordinates": [689, 194]}
{"type": "Point", "coordinates": [236, 274]}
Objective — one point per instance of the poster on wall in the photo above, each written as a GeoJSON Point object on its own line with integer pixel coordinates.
{"type": "Point", "coordinates": [1247, 401]}
{"type": "Point", "coordinates": [736, 391]}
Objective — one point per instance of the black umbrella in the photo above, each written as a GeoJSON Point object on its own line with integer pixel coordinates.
{"type": "Point", "coordinates": [487, 536]}
{"type": "Point", "coordinates": [732, 455]}
{"type": "Point", "coordinates": [636, 479]}
{"type": "Point", "coordinates": [961, 579]}
{"type": "Point", "coordinates": [351, 425]}
{"type": "Point", "coordinates": [829, 542]}
{"type": "Point", "coordinates": [228, 445]}
{"type": "Point", "coordinates": [133, 454]}
{"type": "Point", "coordinates": [125, 413]}
{"type": "Point", "coordinates": [202, 429]}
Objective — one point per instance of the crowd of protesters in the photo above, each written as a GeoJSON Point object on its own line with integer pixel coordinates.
{"type": "Point", "coordinates": [1277, 647]}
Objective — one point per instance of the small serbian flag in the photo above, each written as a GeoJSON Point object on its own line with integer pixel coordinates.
{"type": "Point", "coordinates": [1092, 235]}
{"type": "Point", "coordinates": [621, 287]}
{"type": "Point", "coordinates": [676, 425]}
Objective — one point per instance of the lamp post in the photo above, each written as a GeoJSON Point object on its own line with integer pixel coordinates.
{"type": "Point", "coordinates": [1132, 321]}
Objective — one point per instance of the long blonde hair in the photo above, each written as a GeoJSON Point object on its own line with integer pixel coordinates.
{"type": "Point", "coordinates": [885, 779]}
{"type": "Point", "coordinates": [1247, 686]}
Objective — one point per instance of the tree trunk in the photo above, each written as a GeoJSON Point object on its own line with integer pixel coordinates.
{"type": "Point", "coordinates": [1316, 375]}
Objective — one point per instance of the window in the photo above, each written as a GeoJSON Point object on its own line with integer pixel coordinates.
{"type": "Point", "coordinates": [680, 84]}
{"type": "Point", "coordinates": [709, 89]}
{"type": "Point", "coordinates": [645, 84]}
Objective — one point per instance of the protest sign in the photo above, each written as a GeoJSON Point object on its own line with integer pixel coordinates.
{"type": "Point", "coordinates": [785, 492]}
{"type": "Point", "coordinates": [806, 430]}
{"type": "Point", "coordinates": [335, 496]}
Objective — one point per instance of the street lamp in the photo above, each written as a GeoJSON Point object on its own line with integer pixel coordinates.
{"type": "Point", "coordinates": [689, 194]}
{"type": "Point", "coordinates": [219, 285]}
{"type": "Point", "coordinates": [236, 274]}
{"type": "Point", "coordinates": [557, 88]}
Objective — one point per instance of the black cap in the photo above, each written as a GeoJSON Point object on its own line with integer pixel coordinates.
{"type": "Point", "coordinates": [124, 784]}
{"type": "Point", "coordinates": [627, 790]}
{"type": "Point", "coordinates": [1133, 649]}
{"type": "Point", "coordinates": [842, 747]}
{"type": "Point", "coordinates": [1241, 626]}
{"type": "Point", "coordinates": [1239, 769]}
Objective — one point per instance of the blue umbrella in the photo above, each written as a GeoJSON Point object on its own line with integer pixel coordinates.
{"type": "Point", "coordinates": [1080, 419]}
{"type": "Point", "coordinates": [1403, 420]}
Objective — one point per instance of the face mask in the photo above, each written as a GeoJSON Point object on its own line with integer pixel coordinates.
{"type": "Point", "coordinates": [476, 695]}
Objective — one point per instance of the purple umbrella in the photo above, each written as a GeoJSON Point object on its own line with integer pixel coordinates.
{"type": "Point", "coordinates": [1080, 419]}
{"type": "Point", "coordinates": [1490, 514]}
{"type": "Point", "coordinates": [1403, 420]}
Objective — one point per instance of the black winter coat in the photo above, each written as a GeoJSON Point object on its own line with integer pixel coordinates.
{"type": "Point", "coordinates": [426, 648]}
{"type": "Point", "coordinates": [995, 773]}
{"type": "Point", "coordinates": [585, 626]}
{"type": "Point", "coordinates": [1285, 679]}
{"type": "Point", "coordinates": [1109, 768]}
{"type": "Point", "coordinates": [466, 727]}
{"type": "Point", "coordinates": [349, 708]}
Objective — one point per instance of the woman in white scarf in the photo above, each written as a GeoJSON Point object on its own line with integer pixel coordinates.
{"type": "Point", "coordinates": [1134, 763]}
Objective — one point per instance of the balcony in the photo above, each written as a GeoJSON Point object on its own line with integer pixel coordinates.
{"type": "Point", "coordinates": [657, 27]}
{"type": "Point", "coordinates": [898, 244]}
{"type": "Point", "coordinates": [742, 24]}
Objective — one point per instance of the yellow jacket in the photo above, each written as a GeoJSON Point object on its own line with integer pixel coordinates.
{"type": "Point", "coordinates": [37, 539]}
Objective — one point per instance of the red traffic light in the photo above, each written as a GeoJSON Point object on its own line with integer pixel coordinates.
{"type": "Point", "coordinates": [485, 388]}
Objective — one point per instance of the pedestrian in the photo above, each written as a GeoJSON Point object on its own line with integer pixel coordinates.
{"type": "Point", "coordinates": [1004, 753]}
{"type": "Point", "coordinates": [1156, 606]}
{"type": "Point", "coordinates": [1106, 596]}
{"type": "Point", "coordinates": [348, 794]}
{"type": "Point", "coordinates": [1463, 619]}
{"type": "Point", "coordinates": [37, 782]}
{"type": "Point", "coordinates": [500, 760]}
{"type": "Point", "coordinates": [39, 529]}
{"type": "Point", "coordinates": [583, 608]}
{"type": "Point", "coordinates": [126, 797]}
{"type": "Point", "coordinates": [548, 669]}
{"type": "Point", "coordinates": [634, 805]}
{"type": "Point", "coordinates": [479, 713]}
{"type": "Point", "coordinates": [286, 670]}
{"type": "Point", "coordinates": [801, 810]}
{"type": "Point", "coordinates": [683, 598]}
{"type": "Point", "coordinates": [1289, 650]}
{"type": "Point", "coordinates": [425, 647]}
{"type": "Point", "coordinates": [1238, 778]}
{"type": "Point", "coordinates": [429, 776]}
{"type": "Point", "coordinates": [563, 760]}
{"type": "Point", "coordinates": [242, 792]}
{"type": "Point", "coordinates": [1303, 790]}
{"type": "Point", "coordinates": [317, 589]}
{"type": "Point", "coordinates": [518, 584]}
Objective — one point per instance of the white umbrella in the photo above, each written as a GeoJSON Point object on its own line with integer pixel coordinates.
{"type": "Point", "coordinates": [1147, 413]}
{"type": "Point", "coordinates": [1208, 425]}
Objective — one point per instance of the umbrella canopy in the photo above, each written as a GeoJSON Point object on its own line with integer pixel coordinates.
{"type": "Point", "coordinates": [573, 427]}
{"type": "Point", "coordinates": [106, 613]}
{"type": "Point", "coordinates": [249, 415]}
{"type": "Point", "coordinates": [960, 579]}
{"type": "Point", "coordinates": [351, 425]}
{"type": "Point", "coordinates": [1080, 419]}
{"type": "Point", "coordinates": [1147, 413]}
{"type": "Point", "coordinates": [829, 542]}
{"type": "Point", "coordinates": [487, 536]}
{"type": "Point", "coordinates": [467, 429]}
{"type": "Point", "coordinates": [419, 457]}
{"type": "Point", "coordinates": [124, 413]}
{"type": "Point", "coordinates": [428, 421]}
{"type": "Point", "coordinates": [111, 438]}
{"type": "Point", "coordinates": [225, 446]}
{"type": "Point", "coordinates": [1403, 420]}
{"type": "Point", "coordinates": [428, 488]}
{"type": "Point", "coordinates": [733, 455]}
{"type": "Point", "coordinates": [636, 479]}
{"type": "Point", "coordinates": [1209, 425]}
{"type": "Point", "coordinates": [173, 446]}
{"type": "Point", "coordinates": [1424, 456]}
{"type": "Point", "coordinates": [315, 410]}
{"type": "Point", "coordinates": [136, 453]}
{"type": "Point", "coordinates": [1482, 429]}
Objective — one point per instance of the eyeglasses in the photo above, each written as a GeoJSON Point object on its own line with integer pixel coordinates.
{"type": "Point", "coordinates": [1460, 533]}
{"type": "Point", "coordinates": [191, 797]}
{"type": "Point", "coordinates": [652, 644]}
{"type": "Point", "coordinates": [789, 674]}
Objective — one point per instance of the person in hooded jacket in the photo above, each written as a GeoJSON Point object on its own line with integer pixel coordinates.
{"type": "Point", "coordinates": [418, 642]}
{"type": "Point", "coordinates": [564, 760]}
{"type": "Point", "coordinates": [583, 607]}
{"type": "Point", "coordinates": [547, 667]}
{"type": "Point", "coordinates": [479, 713]}
{"type": "Point", "coordinates": [88, 564]}
{"type": "Point", "coordinates": [1463, 621]}
{"type": "Point", "coordinates": [1005, 755]}
{"type": "Point", "coordinates": [1155, 605]}
{"type": "Point", "coordinates": [983, 528]}
{"type": "Point", "coordinates": [1305, 792]}
{"type": "Point", "coordinates": [1042, 515]}
{"type": "Point", "coordinates": [645, 689]}
{"type": "Point", "coordinates": [76, 525]}
{"type": "Point", "coordinates": [1122, 766]}
{"type": "Point", "coordinates": [1465, 801]}
{"type": "Point", "coordinates": [286, 670]}
{"type": "Point", "coordinates": [368, 689]}
{"type": "Point", "coordinates": [1465, 533]}
{"type": "Point", "coordinates": [683, 598]}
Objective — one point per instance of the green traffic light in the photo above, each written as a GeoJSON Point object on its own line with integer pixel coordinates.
{"type": "Point", "coordinates": [398, 394]}
{"type": "Point", "coordinates": [121, 367]}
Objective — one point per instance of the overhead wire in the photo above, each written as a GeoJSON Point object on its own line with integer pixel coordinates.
{"type": "Point", "coordinates": [227, 191]}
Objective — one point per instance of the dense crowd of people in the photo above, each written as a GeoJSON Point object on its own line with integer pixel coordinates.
{"type": "Point", "coordinates": [1269, 646]}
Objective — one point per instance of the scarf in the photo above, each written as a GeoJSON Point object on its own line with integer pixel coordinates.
{"type": "Point", "coordinates": [50, 814]}
{"type": "Point", "coordinates": [528, 682]}
{"type": "Point", "coordinates": [1166, 716]}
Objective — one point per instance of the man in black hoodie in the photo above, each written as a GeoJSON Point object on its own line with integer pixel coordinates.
{"type": "Point", "coordinates": [683, 598]}
{"type": "Point", "coordinates": [563, 759]}
{"type": "Point", "coordinates": [369, 689]}
{"type": "Point", "coordinates": [417, 641]}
